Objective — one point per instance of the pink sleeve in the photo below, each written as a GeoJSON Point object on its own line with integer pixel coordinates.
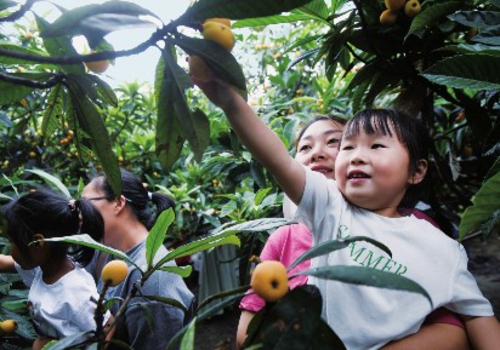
{"type": "Point", "coordinates": [286, 244]}
{"type": "Point", "coordinates": [443, 315]}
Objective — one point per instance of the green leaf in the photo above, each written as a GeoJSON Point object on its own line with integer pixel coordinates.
{"type": "Point", "coordinates": [11, 93]}
{"type": "Point", "coordinates": [53, 112]}
{"type": "Point", "coordinates": [183, 271]}
{"type": "Point", "coordinates": [366, 276]}
{"type": "Point", "coordinates": [187, 342]}
{"type": "Point", "coordinates": [6, 45]}
{"type": "Point", "coordinates": [472, 48]}
{"type": "Point", "coordinates": [91, 122]}
{"type": "Point", "coordinates": [476, 72]}
{"type": "Point", "coordinates": [100, 19]}
{"type": "Point", "coordinates": [217, 58]}
{"type": "Point", "coordinates": [169, 139]}
{"type": "Point", "coordinates": [484, 204]}
{"type": "Point", "coordinates": [476, 19]}
{"type": "Point", "coordinates": [60, 47]}
{"type": "Point", "coordinates": [237, 9]}
{"type": "Point", "coordinates": [257, 225]}
{"type": "Point", "coordinates": [51, 180]}
{"type": "Point", "coordinates": [174, 302]}
{"type": "Point", "coordinates": [87, 241]}
{"type": "Point", "coordinates": [104, 90]}
{"type": "Point", "coordinates": [265, 21]}
{"type": "Point", "coordinates": [490, 36]}
{"type": "Point", "coordinates": [157, 235]}
{"type": "Point", "coordinates": [71, 341]}
{"type": "Point", "coordinates": [331, 246]}
{"type": "Point", "coordinates": [433, 14]}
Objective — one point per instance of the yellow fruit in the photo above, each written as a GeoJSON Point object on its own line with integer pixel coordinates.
{"type": "Point", "coordinates": [198, 69]}
{"type": "Point", "coordinates": [219, 33]}
{"type": "Point", "coordinates": [412, 8]}
{"type": "Point", "coordinates": [114, 272]}
{"type": "Point", "coordinates": [388, 18]}
{"type": "Point", "coordinates": [8, 326]}
{"type": "Point", "coordinates": [269, 280]}
{"type": "Point", "coordinates": [64, 141]}
{"type": "Point", "coordinates": [395, 5]}
{"type": "Point", "coordinates": [97, 66]}
{"type": "Point", "coordinates": [32, 154]}
{"type": "Point", "coordinates": [225, 21]}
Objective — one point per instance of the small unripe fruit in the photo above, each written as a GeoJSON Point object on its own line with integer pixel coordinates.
{"type": "Point", "coordinates": [198, 69]}
{"type": "Point", "coordinates": [388, 18]}
{"type": "Point", "coordinates": [97, 66]}
{"type": "Point", "coordinates": [8, 326]}
{"type": "Point", "coordinates": [32, 154]}
{"type": "Point", "coordinates": [395, 5]}
{"type": "Point", "coordinates": [225, 21]}
{"type": "Point", "coordinates": [219, 33]}
{"type": "Point", "coordinates": [269, 280]}
{"type": "Point", "coordinates": [114, 272]}
{"type": "Point", "coordinates": [412, 8]}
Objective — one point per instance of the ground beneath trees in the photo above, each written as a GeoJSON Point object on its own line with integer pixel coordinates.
{"type": "Point", "coordinates": [218, 333]}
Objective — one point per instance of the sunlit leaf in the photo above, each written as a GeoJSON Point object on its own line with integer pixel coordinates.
{"type": "Point", "coordinates": [484, 204]}
{"type": "Point", "coordinates": [476, 72]}
{"type": "Point", "coordinates": [52, 180]}
{"type": "Point", "coordinates": [187, 342]}
{"type": "Point", "coordinates": [157, 234]}
{"type": "Point", "coordinates": [183, 271]}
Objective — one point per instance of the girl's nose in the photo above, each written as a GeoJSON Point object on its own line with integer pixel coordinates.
{"type": "Point", "coordinates": [357, 157]}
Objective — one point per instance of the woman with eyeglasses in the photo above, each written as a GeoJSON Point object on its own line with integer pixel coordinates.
{"type": "Point", "coordinates": [146, 323]}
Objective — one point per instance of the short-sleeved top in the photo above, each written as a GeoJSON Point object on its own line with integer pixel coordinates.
{"type": "Point", "coordinates": [63, 308]}
{"type": "Point", "coordinates": [368, 317]}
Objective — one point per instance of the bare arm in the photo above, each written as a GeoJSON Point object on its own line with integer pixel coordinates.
{"type": "Point", "coordinates": [245, 318]}
{"type": "Point", "coordinates": [483, 332]}
{"type": "Point", "coordinates": [261, 141]}
{"type": "Point", "coordinates": [6, 263]}
{"type": "Point", "coordinates": [434, 336]}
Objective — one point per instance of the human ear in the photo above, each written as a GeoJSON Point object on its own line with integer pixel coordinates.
{"type": "Point", "coordinates": [38, 241]}
{"type": "Point", "coordinates": [419, 173]}
{"type": "Point", "coordinates": [120, 203]}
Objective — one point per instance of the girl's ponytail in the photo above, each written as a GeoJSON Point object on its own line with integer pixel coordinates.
{"type": "Point", "coordinates": [91, 223]}
{"type": "Point", "coordinates": [162, 202]}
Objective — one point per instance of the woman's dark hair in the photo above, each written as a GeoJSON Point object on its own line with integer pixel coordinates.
{"type": "Point", "coordinates": [339, 121]}
{"type": "Point", "coordinates": [51, 214]}
{"type": "Point", "coordinates": [138, 197]}
{"type": "Point", "coordinates": [409, 131]}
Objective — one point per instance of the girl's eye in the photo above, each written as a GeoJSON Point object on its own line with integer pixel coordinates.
{"type": "Point", "coordinates": [347, 148]}
{"type": "Point", "coordinates": [333, 141]}
{"type": "Point", "coordinates": [377, 145]}
{"type": "Point", "coordinates": [304, 148]}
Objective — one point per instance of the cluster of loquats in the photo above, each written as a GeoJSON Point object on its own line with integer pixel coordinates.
{"type": "Point", "coordinates": [389, 16]}
{"type": "Point", "coordinates": [219, 31]}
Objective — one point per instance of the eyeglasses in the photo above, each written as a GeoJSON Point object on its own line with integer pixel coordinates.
{"type": "Point", "coordinates": [98, 198]}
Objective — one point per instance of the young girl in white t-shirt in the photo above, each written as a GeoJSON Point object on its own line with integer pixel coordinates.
{"type": "Point", "coordinates": [382, 159]}
{"type": "Point", "coordinates": [63, 296]}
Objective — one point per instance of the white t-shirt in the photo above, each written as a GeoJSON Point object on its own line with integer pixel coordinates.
{"type": "Point", "coordinates": [63, 308]}
{"type": "Point", "coordinates": [368, 317]}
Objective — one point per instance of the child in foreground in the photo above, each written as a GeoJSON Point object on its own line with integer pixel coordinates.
{"type": "Point", "coordinates": [62, 296]}
{"type": "Point", "coordinates": [381, 161]}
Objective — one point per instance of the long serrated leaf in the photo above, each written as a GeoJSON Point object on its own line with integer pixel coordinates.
{"type": "Point", "coordinates": [51, 180]}
{"type": "Point", "coordinates": [87, 241]}
{"type": "Point", "coordinates": [157, 235]}
{"type": "Point", "coordinates": [59, 47]}
{"type": "Point", "coordinates": [104, 18]}
{"type": "Point", "coordinates": [6, 45]}
{"type": "Point", "coordinates": [477, 19]}
{"type": "Point", "coordinates": [257, 225]}
{"type": "Point", "coordinates": [91, 122]}
{"type": "Point", "coordinates": [472, 48]}
{"type": "Point", "coordinates": [169, 139]}
{"type": "Point", "coordinates": [53, 112]}
{"type": "Point", "coordinates": [485, 202]}
{"type": "Point", "coordinates": [432, 14]}
{"type": "Point", "coordinates": [187, 342]}
{"type": "Point", "coordinates": [11, 93]}
{"type": "Point", "coordinates": [366, 276]}
{"type": "Point", "coordinates": [104, 90]}
{"type": "Point", "coordinates": [330, 246]}
{"type": "Point", "coordinates": [476, 72]}
{"type": "Point", "coordinates": [237, 9]}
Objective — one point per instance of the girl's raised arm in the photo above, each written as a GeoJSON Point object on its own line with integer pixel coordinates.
{"type": "Point", "coordinates": [7, 263]}
{"type": "Point", "coordinates": [261, 141]}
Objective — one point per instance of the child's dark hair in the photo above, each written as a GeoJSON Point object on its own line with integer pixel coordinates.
{"type": "Point", "coordinates": [409, 131]}
{"type": "Point", "coordinates": [339, 121]}
{"type": "Point", "coordinates": [51, 214]}
{"type": "Point", "coordinates": [137, 196]}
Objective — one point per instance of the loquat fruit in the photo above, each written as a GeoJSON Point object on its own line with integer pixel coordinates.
{"type": "Point", "coordinates": [225, 21]}
{"type": "Point", "coordinates": [8, 326]}
{"type": "Point", "coordinates": [97, 66]}
{"type": "Point", "coordinates": [269, 280]}
{"type": "Point", "coordinates": [114, 272]}
{"type": "Point", "coordinates": [388, 18]}
{"type": "Point", "coordinates": [219, 33]}
{"type": "Point", "coordinates": [412, 8]}
{"type": "Point", "coordinates": [394, 5]}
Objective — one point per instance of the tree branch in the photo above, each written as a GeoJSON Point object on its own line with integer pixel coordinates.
{"type": "Point", "coordinates": [56, 79]}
